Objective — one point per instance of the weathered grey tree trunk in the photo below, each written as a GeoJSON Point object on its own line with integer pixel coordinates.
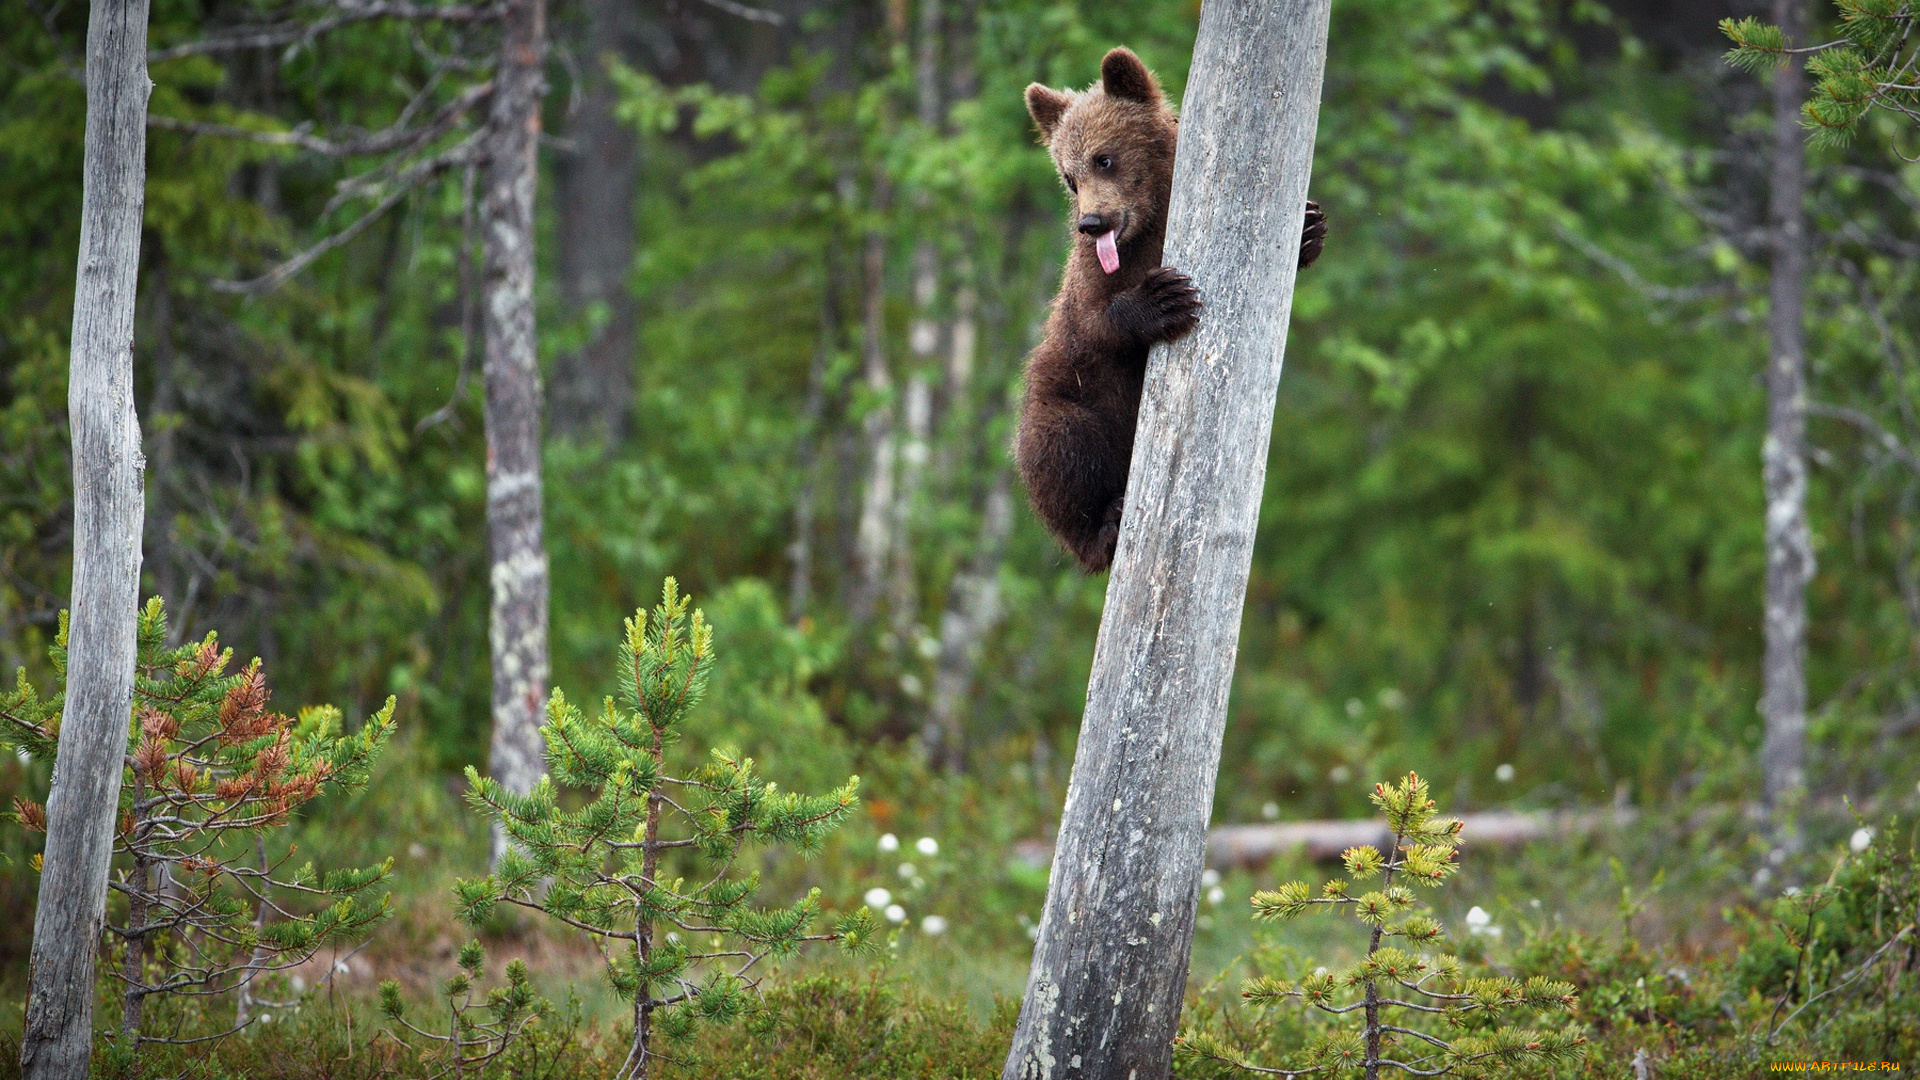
{"type": "Point", "coordinates": [1783, 695]}
{"type": "Point", "coordinates": [593, 385]}
{"type": "Point", "coordinates": [1110, 968]}
{"type": "Point", "coordinates": [516, 548]}
{"type": "Point", "coordinates": [108, 514]}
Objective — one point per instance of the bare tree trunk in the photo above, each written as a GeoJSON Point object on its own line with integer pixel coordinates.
{"type": "Point", "coordinates": [1790, 564]}
{"type": "Point", "coordinates": [108, 514]}
{"type": "Point", "coordinates": [516, 549]}
{"type": "Point", "coordinates": [593, 386]}
{"type": "Point", "coordinates": [800, 550]}
{"type": "Point", "coordinates": [973, 610]}
{"type": "Point", "coordinates": [1110, 967]}
{"type": "Point", "coordinates": [923, 342]}
{"type": "Point", "coordinates": [874, 536]}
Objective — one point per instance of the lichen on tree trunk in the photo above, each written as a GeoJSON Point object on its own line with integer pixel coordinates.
{"type": "Point", "coordinates": [1789, 542]}
{"type": "Point", "coordinates": [517, 553]}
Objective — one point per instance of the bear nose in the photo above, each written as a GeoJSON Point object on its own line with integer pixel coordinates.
{"type": "Point", "coordinates": [1094, 224]}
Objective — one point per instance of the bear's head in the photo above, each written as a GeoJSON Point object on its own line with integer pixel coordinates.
{"type": "Point", "coordinates": [1113, 144]}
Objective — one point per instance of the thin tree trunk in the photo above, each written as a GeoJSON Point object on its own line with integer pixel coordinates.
{"type": "Point", "coordinates": [923, 342]}
{"type": "Point", "coordinates": [1790, 564]}
{"type": "Point", "coordinates": [516, 548]}
{"type": "Point", "coordinates": [800, 550]}
{"type": "Point", "coordinates": [593, 385]}
{"type": "Point", "coordinates": [108, 514]}
{"type": "Point", "coordinates": [874, 536]}
{"type": "Point", "coordinates": [973, 610]}
{"type": "Point", "coordinates": [1110, 967]}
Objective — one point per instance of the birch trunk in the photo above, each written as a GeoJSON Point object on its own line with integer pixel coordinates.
{"type": "Point", "coordinates": [516, 549]}
{"type": "Point", "coordinates": [1110, 967]}
{"type": "Point", "coordinates": [108, 514]}
{"type": "Point", "coordinates": [1790, 564]}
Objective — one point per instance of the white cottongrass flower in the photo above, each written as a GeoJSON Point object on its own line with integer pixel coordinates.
{"type": "Point", "coordinates": [895, 913]}
{"type": "Point", "coordinates": [889, 842]}
{"type": "Point", "coordinates": [1504, 773]}
{"type": "Point", "coordinates": [1862, 839]}
{"type": "Point", "coordinates": [1215, 895]}
{"type": "Point", "coordinates": [1339, 774]}
{"type": "Point", "coordinates": [927, 846]}
{"type": "Point", "coordinates": [907, 870]}
{"type": "Point", "coordinates": [878, 897]}
{"type": "Point", "coordinates": [934, 925]}
{"type": "Point", "coordinates": [1271, 811]}
{"type": "Point", "coordinates": [1479, 922]}
{"type": "Point", "coordinates": [1209, 878]}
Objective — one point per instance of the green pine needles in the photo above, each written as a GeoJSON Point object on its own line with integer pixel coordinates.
{"type": "Point", "coordinates": [197, 906]}
{"type": "Point", "coordinates": [646, 865]}
{"type": "Point", "coordinates": [1874, 63]}
{"type": "Point", "coordinates": [1420, 1014]}
{"type": "Point", "coordinates": [479, 1029]}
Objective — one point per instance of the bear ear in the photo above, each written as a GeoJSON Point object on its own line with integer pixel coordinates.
{"type": "Point", "coordinates": [1047, 106]}
{"type": "Point", "coordinates": [1124, 76]}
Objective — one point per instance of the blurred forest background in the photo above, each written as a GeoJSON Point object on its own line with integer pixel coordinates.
{"type": "Point", "coordinates": [791, 257]}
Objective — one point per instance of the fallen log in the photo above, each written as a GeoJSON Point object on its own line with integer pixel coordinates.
{"type": "Point", "coordinates": [1230, 846]}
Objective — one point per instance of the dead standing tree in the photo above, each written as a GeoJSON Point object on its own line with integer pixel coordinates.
{"type": "Point", "coordinates": [108, 513]}
{"type": "Point", "coordinates": [436, 133]}
{"type": "Point", "coordinates": [1110, 967]}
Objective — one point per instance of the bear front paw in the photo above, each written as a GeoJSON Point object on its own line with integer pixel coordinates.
{"type": "Point", "coordinates": [1314, 237]}
{"type": "Point", "coordinates": [1169, 305]}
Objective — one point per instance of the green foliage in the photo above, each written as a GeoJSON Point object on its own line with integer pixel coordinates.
{"type": "Point", "coordinates": [1850, 936]}
{"type": "Point", "coordinates": [1875, 63]}
{"type": "Point", "coordinates": [682, 936]}
{"type": "Point", "coordinates": [199, 907]}
{"type": "Point", "coordinates": [1407, 1000]}
{"type": "Point", "coordinates": [479, 1029]}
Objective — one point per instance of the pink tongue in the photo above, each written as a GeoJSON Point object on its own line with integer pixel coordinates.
{"type": "Point", "coordinates": [1108, 250]}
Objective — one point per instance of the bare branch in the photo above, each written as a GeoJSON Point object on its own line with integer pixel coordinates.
{"type": "Point", "coordinates": [350, 12]}
{"type": "Point", "coordinates": [462, 153]}
{"type": "Point", "coordinates": [752, 14]}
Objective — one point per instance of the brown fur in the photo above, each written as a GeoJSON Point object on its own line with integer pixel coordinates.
{"type": "Point", "coordinates": [1114, 146]}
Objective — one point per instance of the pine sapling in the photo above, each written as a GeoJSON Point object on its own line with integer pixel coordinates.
{"type": "Point", "coordinates": [479, 1029]}
{"type": "Point", "coordinates": [645, 867]}
{"type": "Point", "coordinates": [1407, 1001]}
{"type": "Point", "coordinates": [199, 909]}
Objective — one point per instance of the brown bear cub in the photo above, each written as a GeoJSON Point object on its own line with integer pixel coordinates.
{"type": "Point", "coordinates": [1114, 147]}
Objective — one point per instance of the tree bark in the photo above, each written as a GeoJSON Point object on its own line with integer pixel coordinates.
{"type": "Point", "coordinates": [1790, 563]}
{"type": "Point", "coordinates": [516, 548]}
{"type": "Point", "coordinates": [108, 515]}
{"type": "Point", "coordinates": [874, 536]}
{"type": "Point", "coordinates": [1110, 967]}
{"type": "Point", "coordinates": [973, 609]}
{"type": "Point", "coordinates": [593, 385]}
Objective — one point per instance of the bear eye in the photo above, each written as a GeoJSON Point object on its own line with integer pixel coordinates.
{"type": "Point", "coordinates": [1103, 161]}
{"type": "Point", "coordinates": [1071, 186]}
